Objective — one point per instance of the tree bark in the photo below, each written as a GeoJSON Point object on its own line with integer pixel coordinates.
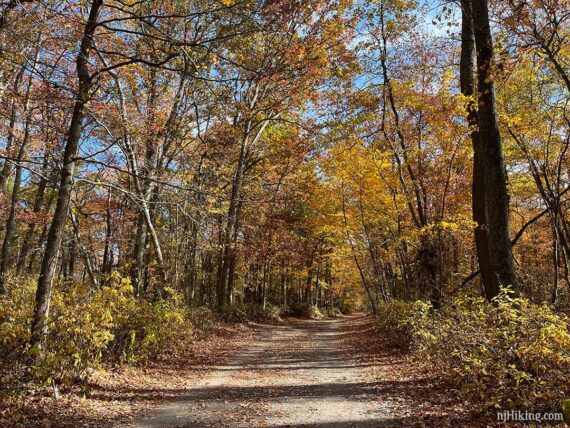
{"type": "Point", "coordinates": [42, 238]}
{"type": "Point", "coordinates": [496, 195]}
{"type": "Point", "coordinates": [38, 205]}
{"type": "Point", "coordinates": [6, 166]}
{"type": "Point", "coordinates": [231, 225]}
{"type": "Point", "coordinates": [468, 88]}
{"type": "Point", "coordinates": [108, 250]}
{"type": "Point", "coordinates": [11, 222]}
{"type": "Point", "coordinates": [86, 253]}
{"type": "Point", "coordinates": [555, 266]}
{"type": "Point", "coordinates": [53, 244]}
{"type": "Point", "coordinates": [137, 269]}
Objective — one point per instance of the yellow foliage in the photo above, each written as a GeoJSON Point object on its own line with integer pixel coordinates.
{"type": "Point", "coordinates": [89, 326]}
{"type": "Point", "coordinates": [508, 354]}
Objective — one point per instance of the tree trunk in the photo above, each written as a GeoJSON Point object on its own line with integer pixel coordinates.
{"type": "Point", "coordinates": [42, 238]}
{"type": "Point", "coordinates": [308, 285]}
{"type": "Point", "coordinates": [233, 211]}
{"type": "Point", "coordinates": [283, 285]}
{"type": "Point", "coordinates": [53, 244]}
{"type": "Point", "coordinates": [89, 269]}
{"type": "Point", "coordinates": [108, 251]}
{"type": "Point", "coordinates": [555, 266]}
{"type": "Point", "coordinates": [265, 279]}
{"type": "Point", "coordinates": [11, 222]}
{"type": "Point", "coordinates": [317, 288]}
{"type": "Point", "coordinates": [190, 277]}
{"type": "Point", "coordinates": [496, 196]}
{"type": "Point", "coordinates": [7, 166]}
{"type": "Point", "coordinates": [467, 81]}
{"type": "Point", "coordinates": [38, 205]}
{"type": "Point", "coordinates": [10, 139]}
{"type": "Point", "coordinates": [137, 270]}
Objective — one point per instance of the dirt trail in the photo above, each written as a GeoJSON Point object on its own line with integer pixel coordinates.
{"type": "Point", "coordinates": [290, 376]}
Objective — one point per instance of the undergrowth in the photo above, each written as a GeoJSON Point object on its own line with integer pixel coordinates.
{"type": "Point", "coordinates": [86, 327]}
{"type": "Point", "coordinates": [508, 354]}
{"type": "Point", "coordinates": [241, 312]}
{"type": "Point", "coordinates": [303, 310]}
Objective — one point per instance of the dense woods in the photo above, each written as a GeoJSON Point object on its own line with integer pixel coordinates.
{"type": "Point", "coordinates": [164, 161]}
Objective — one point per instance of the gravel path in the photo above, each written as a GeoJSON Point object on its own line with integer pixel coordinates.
{"type": "Point", "coordinates": [295, 375]}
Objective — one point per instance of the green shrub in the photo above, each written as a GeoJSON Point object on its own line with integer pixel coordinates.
{"type": "Point", "coordinates": [509, 354]}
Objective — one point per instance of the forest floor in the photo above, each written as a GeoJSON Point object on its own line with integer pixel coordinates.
{"type": "Point", "coordinates": [302, 373]}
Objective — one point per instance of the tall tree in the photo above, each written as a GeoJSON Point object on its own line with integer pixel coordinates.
{"type": "Point", "coordinates": [57, 227]}
{"type": "Point", "coordinates": [468, 89]}
{"type": "Point", "coordinates": [496, 194]}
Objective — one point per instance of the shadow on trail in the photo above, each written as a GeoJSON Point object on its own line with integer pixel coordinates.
{"type": "Point", "coordinates": [351, 391]}
{"type": "Point", "coordinates": [291, 371]}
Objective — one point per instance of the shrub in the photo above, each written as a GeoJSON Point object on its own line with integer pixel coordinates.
{"type": "Point", "coordinates": [148, 328]}
{"type": "Point", "coordinates": [304, 310]}
{"type": "Point", "coordinates": [333, 311]}
{"type": "Point", "coordinates": [87, 327]}
{"type": "Point", "coordinates": [509, 354]}
{"type": "Point", "coordinates": [345, 308]}
{"type": "Point", "coordinates": [202, 317]}
{"type": "Point", "coordinates": [235, 313]}
{"type": "Point", "coordinates": [242, 312]}
{"type": "Point", "coordinates": [16, 311]}
{"type": "Point", "coordinates": [396, 321]}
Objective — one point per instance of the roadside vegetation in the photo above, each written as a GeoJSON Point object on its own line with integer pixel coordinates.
{"type": "Point", "coordinates": [506, 354]}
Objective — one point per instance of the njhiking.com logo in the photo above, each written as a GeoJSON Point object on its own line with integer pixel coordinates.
{"type": "Point", "coordinates": [526, 416]}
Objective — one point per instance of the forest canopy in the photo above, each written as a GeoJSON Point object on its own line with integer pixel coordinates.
{"type": "Point", "coordinates": [256, 157]}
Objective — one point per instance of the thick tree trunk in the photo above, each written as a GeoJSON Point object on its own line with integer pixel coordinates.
{"type": "Point", "coordinates": [496, 195]}
{"type": "Point", "coordinates": [468, 88]}
{"type": "Point", "coordinates": [427, 257]}
{"type": "Point", "coordinates": [53, 244]}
